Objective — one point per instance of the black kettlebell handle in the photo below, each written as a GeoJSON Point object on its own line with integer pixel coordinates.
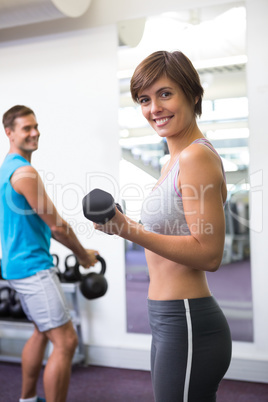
{"type": "Point", "coordinates": [75, 273]}
{"type": "Point", "coordinates": [103, 264]}
{"type": "Point", "coordinates": [55, 259]}
{"type": "Point", "coordinates": [72, 272]}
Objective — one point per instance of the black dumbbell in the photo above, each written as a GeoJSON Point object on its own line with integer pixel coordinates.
{"type": "Point", "coordinates": [99, 206]}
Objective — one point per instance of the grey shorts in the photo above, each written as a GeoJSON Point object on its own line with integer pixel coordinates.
{"type": "Point", "coordinates": [43, 299]}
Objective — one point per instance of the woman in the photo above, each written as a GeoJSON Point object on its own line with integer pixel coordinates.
{"type": "Point", "coordinates": [183, 231]}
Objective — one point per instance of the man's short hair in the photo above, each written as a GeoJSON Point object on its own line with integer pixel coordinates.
{"type": "Point", "coordinates": [13, 113]}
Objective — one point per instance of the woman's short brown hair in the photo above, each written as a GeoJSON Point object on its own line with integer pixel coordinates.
{"type": "Point", "coordinates": [174, 65]}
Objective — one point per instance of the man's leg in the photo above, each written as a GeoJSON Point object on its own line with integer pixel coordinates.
{"type": "Point", "coordinates": [58, 368]}
{"type": "Point", "coordinates": [32, 357]}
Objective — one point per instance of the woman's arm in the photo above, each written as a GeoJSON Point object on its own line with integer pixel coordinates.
{"type": "Point", "coordinates": [200, 180]}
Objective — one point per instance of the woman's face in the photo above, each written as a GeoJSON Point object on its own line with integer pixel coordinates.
{"type": "Point", "coordinates": [166, 108]}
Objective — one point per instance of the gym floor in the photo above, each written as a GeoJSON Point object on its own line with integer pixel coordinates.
{"type": "Point", "coordinates": [106, 384]}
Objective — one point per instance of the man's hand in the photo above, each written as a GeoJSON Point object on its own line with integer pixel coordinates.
{"type": "Point", "coordinates": [89, 260]}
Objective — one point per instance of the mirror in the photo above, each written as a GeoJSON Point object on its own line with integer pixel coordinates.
{"type": "Point", "coordinates": [219, 55]}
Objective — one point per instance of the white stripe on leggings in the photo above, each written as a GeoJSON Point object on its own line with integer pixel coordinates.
{"type": "Point", "coordinates": [190, 351]}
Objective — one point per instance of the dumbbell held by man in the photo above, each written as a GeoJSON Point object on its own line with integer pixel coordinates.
{"type": "Point", "coordinates": [99, 206]}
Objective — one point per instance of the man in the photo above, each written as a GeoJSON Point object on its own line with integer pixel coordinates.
{"type": "Point", "coordinates": [28, 220]}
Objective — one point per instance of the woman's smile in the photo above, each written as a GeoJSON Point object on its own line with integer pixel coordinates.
{"type": "Point", "coordinates": [162, 121]}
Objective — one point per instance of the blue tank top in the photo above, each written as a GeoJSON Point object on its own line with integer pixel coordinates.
{"type": "Point", "coordinates": [162, 211]}
{"type": "Point", "coordinates": [25, 237]}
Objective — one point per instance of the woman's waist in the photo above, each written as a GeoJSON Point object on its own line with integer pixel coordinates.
{"type": "Point", "coordinates": [173, 281]}
{"type": "Point", "coordinates": [172, 292]}
{"type": "Point", "coordinates": [176, 305]}
{"type": "Point", "coordinates": [160, 267]}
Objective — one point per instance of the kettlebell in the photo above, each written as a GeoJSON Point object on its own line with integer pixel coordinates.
{"type": "Point", "coordinates": [94, 285]}
{"type": "Point", "coordinates": [71, 273]}
{"type": "Point", "coordinates": [4, 301]}
{"type": "Point", "coordinates": [15, 308]}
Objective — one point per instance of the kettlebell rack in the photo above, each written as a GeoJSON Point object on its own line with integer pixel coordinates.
{"type": "Point", "coordinates": [20, 328]}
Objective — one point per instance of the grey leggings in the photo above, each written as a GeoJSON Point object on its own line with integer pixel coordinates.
{"type": "Point", "coordinates": [191, 349]}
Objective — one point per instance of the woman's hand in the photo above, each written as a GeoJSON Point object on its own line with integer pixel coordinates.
{"type": "Point", "coordinates": [118, 225]}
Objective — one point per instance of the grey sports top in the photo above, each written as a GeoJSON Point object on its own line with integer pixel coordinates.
{"type": "Point", "coordinates": [162, 211]}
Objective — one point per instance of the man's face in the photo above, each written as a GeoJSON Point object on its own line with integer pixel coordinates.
{"type": "Point", "coordinates": [25, 134]}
